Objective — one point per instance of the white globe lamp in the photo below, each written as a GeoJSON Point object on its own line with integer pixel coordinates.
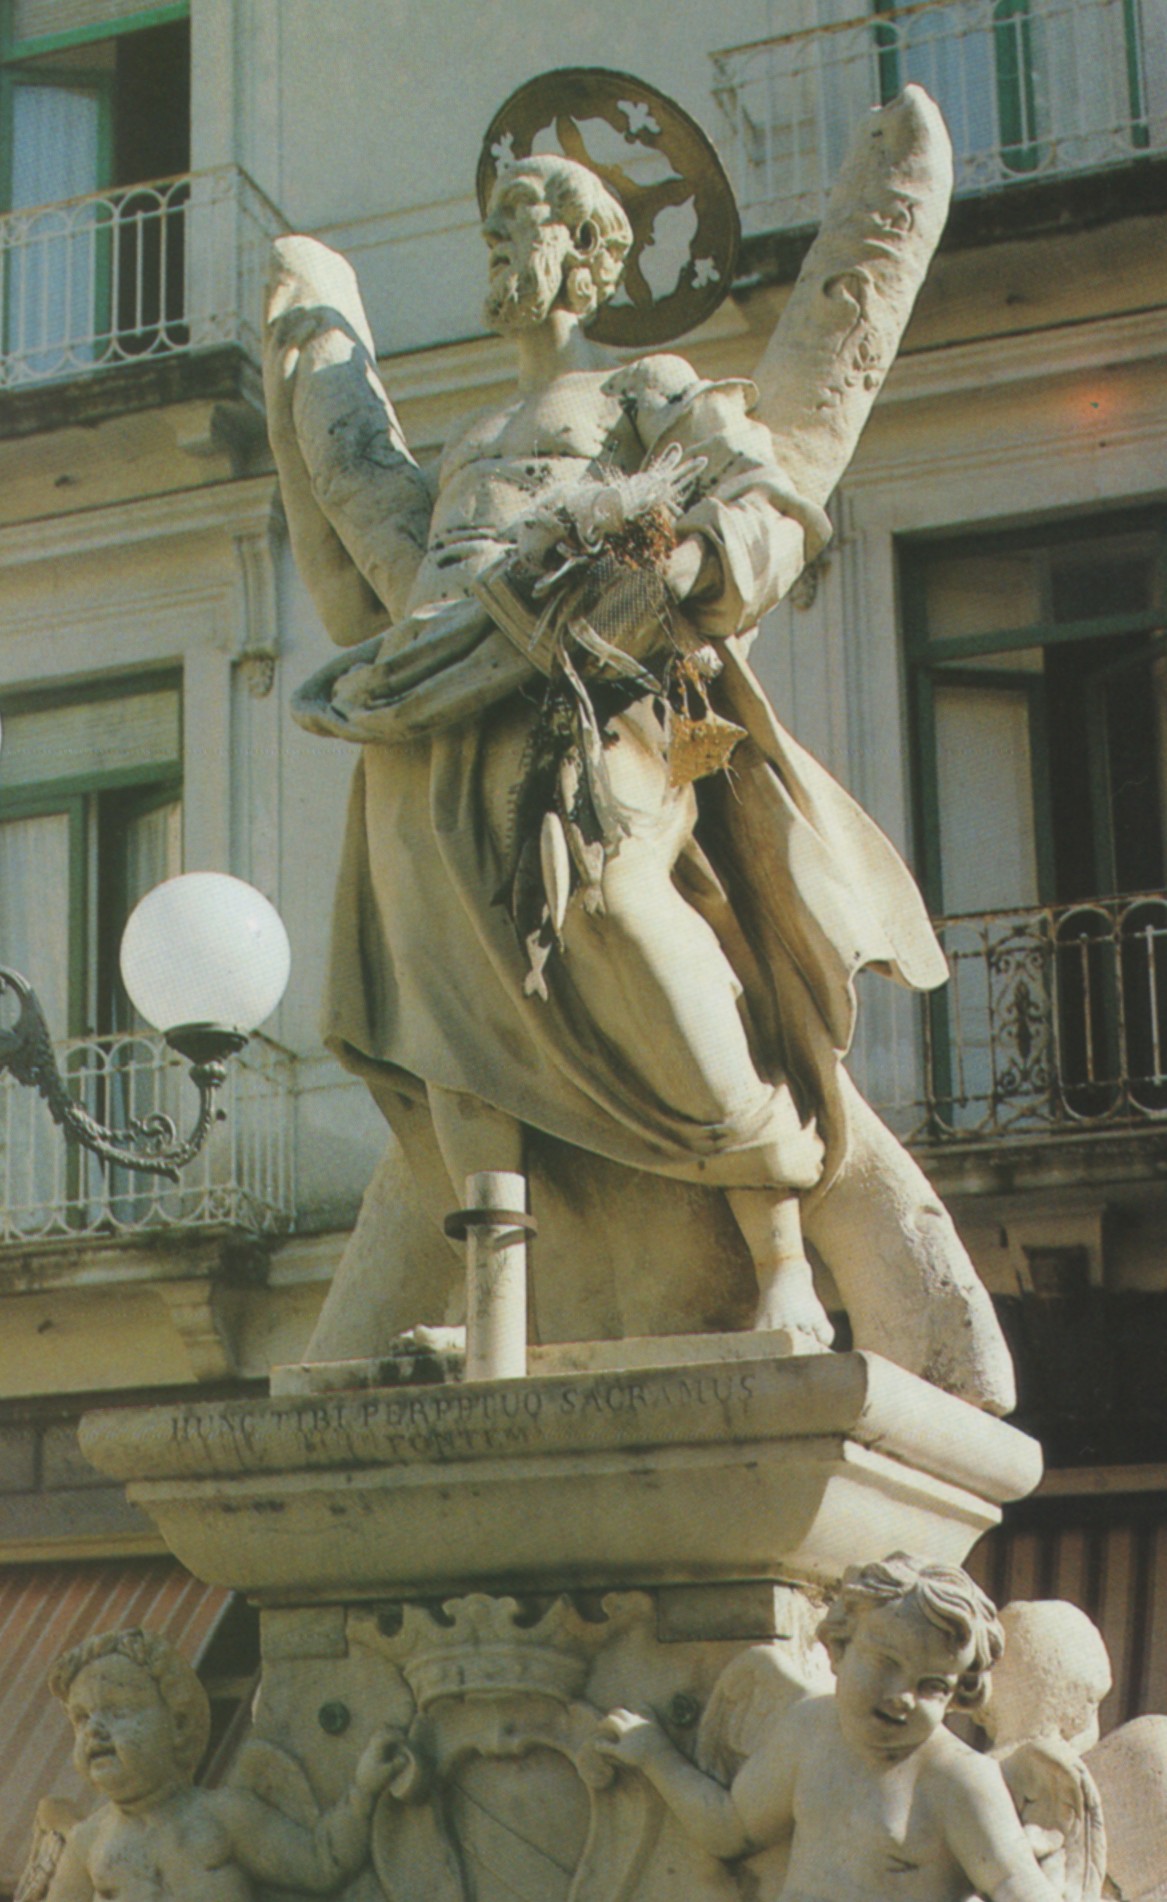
{"type": "Point", "coordinates": [205, 959]}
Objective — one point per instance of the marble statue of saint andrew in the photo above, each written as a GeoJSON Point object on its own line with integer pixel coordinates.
{"type": "Point", "coordinates": [598, 914]}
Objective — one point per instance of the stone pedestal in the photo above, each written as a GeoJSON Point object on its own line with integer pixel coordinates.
{"type": "Point", "coordinates": [491, 1566]}
{"type": "Point", "coordinates": [701, 1473]}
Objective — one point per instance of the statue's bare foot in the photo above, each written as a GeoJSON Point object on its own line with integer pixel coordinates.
{"type": "Point", "coordinates": [789, 1343]}
{"type": "Point", "coordinates": [789, 1308]}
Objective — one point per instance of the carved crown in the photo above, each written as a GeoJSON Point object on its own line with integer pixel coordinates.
{"type": "Point", "coordinates": [484, 1646]}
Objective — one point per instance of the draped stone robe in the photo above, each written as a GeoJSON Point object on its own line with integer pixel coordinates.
{"type": "Point", "coordinates": [788, 887]}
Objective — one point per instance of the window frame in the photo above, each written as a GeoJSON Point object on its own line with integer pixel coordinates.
{"type": "Point", "coordinates": [79, 79]}
{"type": "Point", "coordinates": [1016, 72]}
{"type": "Point", "coordinates": [21, 63]}
{"type": "Point", "coordinates": [929, 659]}
{"type": "Point", "coordinates": [1014, 91]}
{"type": "Point", "coordinates": [52, 799]}
{"type": "Point", "coordinates": [76, 795]}
{"type": "Point", "coordinates": [12, 51]}
{"type": "Point", "coordinates": [18, 61]}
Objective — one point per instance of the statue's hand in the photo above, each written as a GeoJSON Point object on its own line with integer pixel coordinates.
{"type": "Point", "coordinates": [683, 567]}
{"type": "Point", "coordinates": [293, 328]}
{"type": "Point", "coordinates": [625, 1737]}
{"type": "Point", "coordinates": [386, 1762]}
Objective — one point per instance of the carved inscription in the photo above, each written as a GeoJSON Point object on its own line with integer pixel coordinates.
{"type": "Point", "coordinates": [450, 1423]}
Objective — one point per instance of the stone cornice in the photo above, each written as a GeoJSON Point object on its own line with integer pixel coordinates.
{"type": "Point", "coordinates": [1027, 356]}
{"type": "Point", "coordinates": [245, 507]}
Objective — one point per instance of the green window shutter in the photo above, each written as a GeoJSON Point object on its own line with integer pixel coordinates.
{"type": "Point", "coordinates": [1132, 26]}
{"type": "Point", "coordinates": [887, 54]}
{"type": "Point", "coordinates": [1016, 96]}
{"type": "Point", "coordinates": [130, 739]}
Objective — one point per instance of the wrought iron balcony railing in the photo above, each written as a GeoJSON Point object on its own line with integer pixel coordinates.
{"type": "Point", "coordinates": [1053, 1023]}
{"type": "Point", "coordinates": [157, 270]}
{"type": "Point", "coordinates": [1030, 89]}
{"type": "Point", "coordinates": [243, 1178]}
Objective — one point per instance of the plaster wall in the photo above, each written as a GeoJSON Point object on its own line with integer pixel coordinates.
{"type": "Point", "coordinates": [339, 129]}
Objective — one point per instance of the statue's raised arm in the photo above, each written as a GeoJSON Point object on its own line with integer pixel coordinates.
{"type": "Point", "coordinates": [838, 335]}
{"type": "Point", "coordinates": [358, 506]}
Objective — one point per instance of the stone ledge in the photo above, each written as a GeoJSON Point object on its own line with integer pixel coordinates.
{"type": "Point", "coordinates": [424, 1363]}
{"type": "Point", "coordinates": [94, 1521]}
{"type": "Point", "coordinates": [222, 373]}
{"type": "Point", "coordinates": [651, 1476]}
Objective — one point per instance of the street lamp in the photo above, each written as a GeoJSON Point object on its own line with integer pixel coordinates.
{"type": "Point", "coordinates": [205, 959]}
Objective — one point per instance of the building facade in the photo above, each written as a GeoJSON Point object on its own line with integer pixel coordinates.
{"type": "Point", "coordinates": [979, 656]}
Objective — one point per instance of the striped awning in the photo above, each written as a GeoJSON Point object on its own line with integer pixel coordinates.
{"type": "Point", "coordinates": [44, 1609]}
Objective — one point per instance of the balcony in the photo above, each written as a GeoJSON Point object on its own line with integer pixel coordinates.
{"type": "Point", "coordinates": [158, 271]}
{"type": "Point", "coordinates": [52, 1191]}
{"type": "Point", "coordinates": [1031, 90]}
{"type": "Point", "coordinates": [1053, 1025]}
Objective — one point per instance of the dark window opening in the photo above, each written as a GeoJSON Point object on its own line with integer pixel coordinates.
{"type": "Point", "coordinates": [105, 278]}
{"type": "Point", "coordinates": [1038, 679]}
{"type": "Point", "coordinates": [151, 141]}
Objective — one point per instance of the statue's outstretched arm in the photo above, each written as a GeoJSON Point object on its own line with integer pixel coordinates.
{"type": "Point", "coordinates": [358, 506]}
{"type": "Point", "coordinates": [775, 453]}
{"type": "Point", "coordinates": [837, 338]}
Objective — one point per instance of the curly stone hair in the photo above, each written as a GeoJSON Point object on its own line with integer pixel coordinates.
{"type": "Point", "coordinates": [599, 227]}
{"type": "Point", "coordinates": [946, 1595]}
{"type": "Point", "coordinates": [178, 1684]}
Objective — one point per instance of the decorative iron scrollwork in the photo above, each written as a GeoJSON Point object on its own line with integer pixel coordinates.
{"type": "Point", "coordinates": [149, 1144]}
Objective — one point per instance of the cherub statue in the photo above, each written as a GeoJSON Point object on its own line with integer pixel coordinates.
{"type": "Point", "coordinates": [1091, 1808]}
{"type": "Point", "coordinates": [880, 1801]}
{"type": "Point", "coordinates": [1129, 1768]}
{"type": "Point", "coordinates": [1055, 1675]}
{"type": "Point", "coordinates": [598, 915]}
{"type": "Point", "coordinates": [140, 1722]}
{"type": "Point", "coordinates": [1041, 1716]}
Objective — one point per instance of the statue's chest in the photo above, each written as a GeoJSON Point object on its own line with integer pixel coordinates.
{"type": "Point", "coordinates": [184, 1857]}
{"type": "Point", "coordinates": [573, 418]}
{"type": "Point", "coordinates": [889, 1830]}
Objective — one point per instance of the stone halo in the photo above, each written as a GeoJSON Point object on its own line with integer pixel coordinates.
{"type": "Point", "coordinates": [560, 103]}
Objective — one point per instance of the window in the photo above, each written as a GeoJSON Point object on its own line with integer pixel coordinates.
{"type": "Point", "coordinates": [90, 820]}
{"type": "Point", "coordinates": [978, 61]}
{"type": "Point", "coordinates": [1038, 669]}
{"type": "Point", "coordinates": [1026, 86]}
{"type": "Point", "coordinates": [85, 115]}
{"type": "Point", "coordinates": [1037, 666]}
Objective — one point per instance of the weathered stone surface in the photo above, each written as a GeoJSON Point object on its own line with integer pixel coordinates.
{"type": "Point", "coordinates": [866, 1786]}
{"type": "Point", "coordinates": [1055, 1675]}
{"type": "Point", "coordinates": [141, 1720]}
{"type": "Point", "coordinates": [731, 1471]}
{"type": "Point", "coordinates": [1093, 1809]}
{"type": "Point", "coordinates": [1130, 1769]}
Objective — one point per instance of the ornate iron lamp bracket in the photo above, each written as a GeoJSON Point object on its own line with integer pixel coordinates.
{"type": "Point", "coordinates": [149, 1144]}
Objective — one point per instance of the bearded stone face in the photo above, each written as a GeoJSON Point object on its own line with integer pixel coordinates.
{"type": "Point", "coordinates": [528, 250]}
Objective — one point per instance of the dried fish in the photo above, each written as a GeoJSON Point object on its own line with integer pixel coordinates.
{"type": "Point", "coordinates": [538, 948]}
{"type": "Point", "coordinates": [555, 862]}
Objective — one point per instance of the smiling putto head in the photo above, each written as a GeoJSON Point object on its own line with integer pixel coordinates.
{"type": "Point", "coordinates": [946, 1596]}
{"type": "Point", "coordinates": [176, 1682]}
